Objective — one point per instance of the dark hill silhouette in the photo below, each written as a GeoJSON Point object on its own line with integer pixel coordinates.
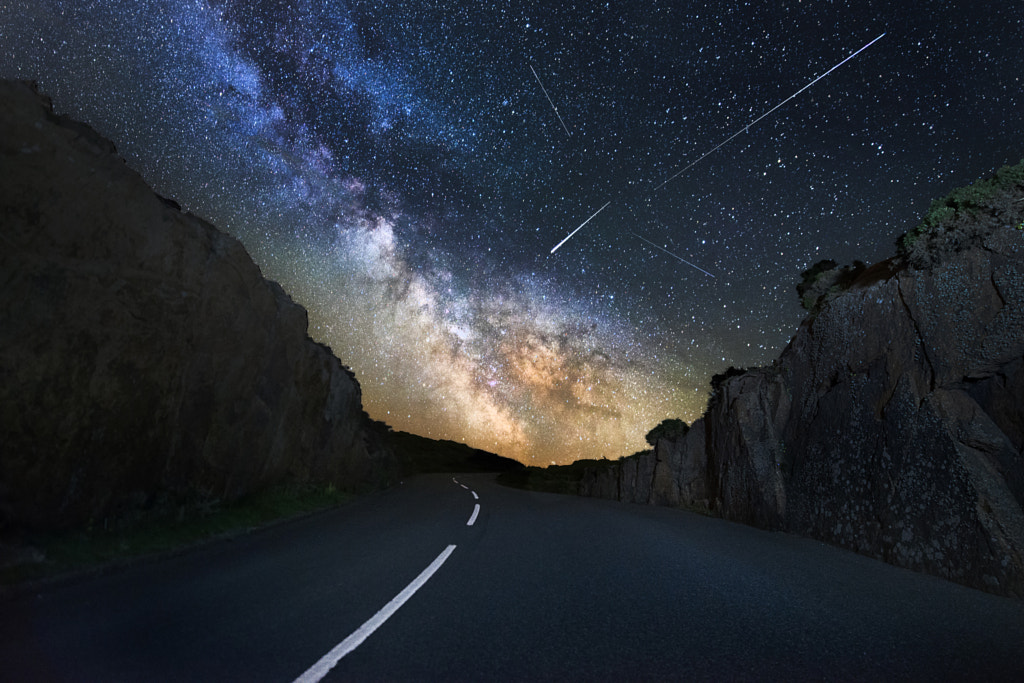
{"type": "Point", "coordinates": [419, 454]}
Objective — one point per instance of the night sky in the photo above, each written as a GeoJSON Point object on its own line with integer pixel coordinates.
{"type": "Point", "coordinates": [399, 169]}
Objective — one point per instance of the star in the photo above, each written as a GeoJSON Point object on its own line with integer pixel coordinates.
{"type": "Point", "coordinates": [404, 170]}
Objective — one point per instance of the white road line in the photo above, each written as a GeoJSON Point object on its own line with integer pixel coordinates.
{"type": "Point", "coordinates": [328, 661]}
{"type": "Point", "coordinates": [464, 486]}
{"type": "Point", "coordinates": [455, 480]}
{"type": "Point", "coordinates": [475, 497]}
{"type": "Point", "coordinates": [472, 518]}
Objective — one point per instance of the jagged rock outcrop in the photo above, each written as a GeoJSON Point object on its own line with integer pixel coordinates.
{"type": "Point", "coordinates": [144, 360]}
{"type": "Point", "coordinates": [892, 424]}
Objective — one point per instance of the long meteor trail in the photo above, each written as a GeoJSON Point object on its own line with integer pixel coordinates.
{"type": "Point", "coordinates": [544, 90]}
{"type": "Point", "coordinates": [581, 225]}
{"type": "Point", "coordinates": [671, 254]}
{"type": "Point", "coordinates": [767, 113]}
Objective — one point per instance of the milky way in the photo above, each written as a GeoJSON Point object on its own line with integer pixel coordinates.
{"type": "Point", "coordinates": [403, 169]}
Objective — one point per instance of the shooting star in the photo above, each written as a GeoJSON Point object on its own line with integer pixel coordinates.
{"type": "Point", "coordinates": [671, 254]}
{"type": "Point", "coordinates": [550, 102]}
{"type": "Point", "coordinates": [578, 229]}
{"type": "Point", "coordinates": [767, 113]}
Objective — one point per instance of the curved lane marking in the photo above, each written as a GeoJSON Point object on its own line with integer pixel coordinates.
{"type": "Point", "coordinates": [475, 497]}
{"type": "Point", "coordinates": [328, 661]}
{"type": "Point", "coordinates": [472, 518]}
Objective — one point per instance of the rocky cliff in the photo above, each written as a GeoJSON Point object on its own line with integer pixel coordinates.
{"type": "Point", "coordinates": [893, 423]}
{"type": "Point", "coordinates": [144, 360]}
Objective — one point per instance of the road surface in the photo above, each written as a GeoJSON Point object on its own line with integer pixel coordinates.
{"type": "Point", "coordinates": [538, 587]}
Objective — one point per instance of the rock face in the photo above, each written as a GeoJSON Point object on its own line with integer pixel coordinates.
{"type": "Point", "coordinates": [892, 424]}
{"type": "Point", "coordinates": [144, 360]}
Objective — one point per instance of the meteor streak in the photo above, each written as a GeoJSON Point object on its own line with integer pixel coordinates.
{"type": "Point", "coordinates": [581, 225]}
{"type": "Point", "coordinates": [747, 127]}
{"type": "Point", "coordinates": [671, 254]}
{"type": "Point", "coordinates": [550, 102]}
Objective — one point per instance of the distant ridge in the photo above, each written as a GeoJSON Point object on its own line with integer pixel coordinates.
{"type": "Point", "coordinates": [419, 454]}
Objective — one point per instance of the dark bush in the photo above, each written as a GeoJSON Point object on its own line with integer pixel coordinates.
{"type": "Point", "coordinates": [719, 379]}
{"type": "Point", "coordinates": [962, 218]}
{"type": "Point", "coordinates": [670, 429]}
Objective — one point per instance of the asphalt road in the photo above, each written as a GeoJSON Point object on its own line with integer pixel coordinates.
{"type": "Point", "coordinates": [539, 587]}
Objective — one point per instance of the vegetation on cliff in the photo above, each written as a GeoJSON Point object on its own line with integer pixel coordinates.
{"type": "Point", "coordinates": [955, 222]}
{"type": "Point", "coordinates": [963, 217]}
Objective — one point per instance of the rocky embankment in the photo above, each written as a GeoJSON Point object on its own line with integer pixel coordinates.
{"type": "Point", "coordinates": [893, 423]}
{"type": "Point", "coordinates": [145, 363]}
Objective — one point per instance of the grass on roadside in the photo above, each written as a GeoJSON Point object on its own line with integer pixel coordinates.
{"type": "Point", "coordinates": [57, 554]}
{"type": "Point", "coordinates": [39, 556]}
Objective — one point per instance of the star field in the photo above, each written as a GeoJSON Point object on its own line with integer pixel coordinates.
{"type": "Point", "coordinates": [399, 168]}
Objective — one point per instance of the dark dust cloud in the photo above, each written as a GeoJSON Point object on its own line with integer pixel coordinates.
{"type": "Point", "coordinates": [399, 169]}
